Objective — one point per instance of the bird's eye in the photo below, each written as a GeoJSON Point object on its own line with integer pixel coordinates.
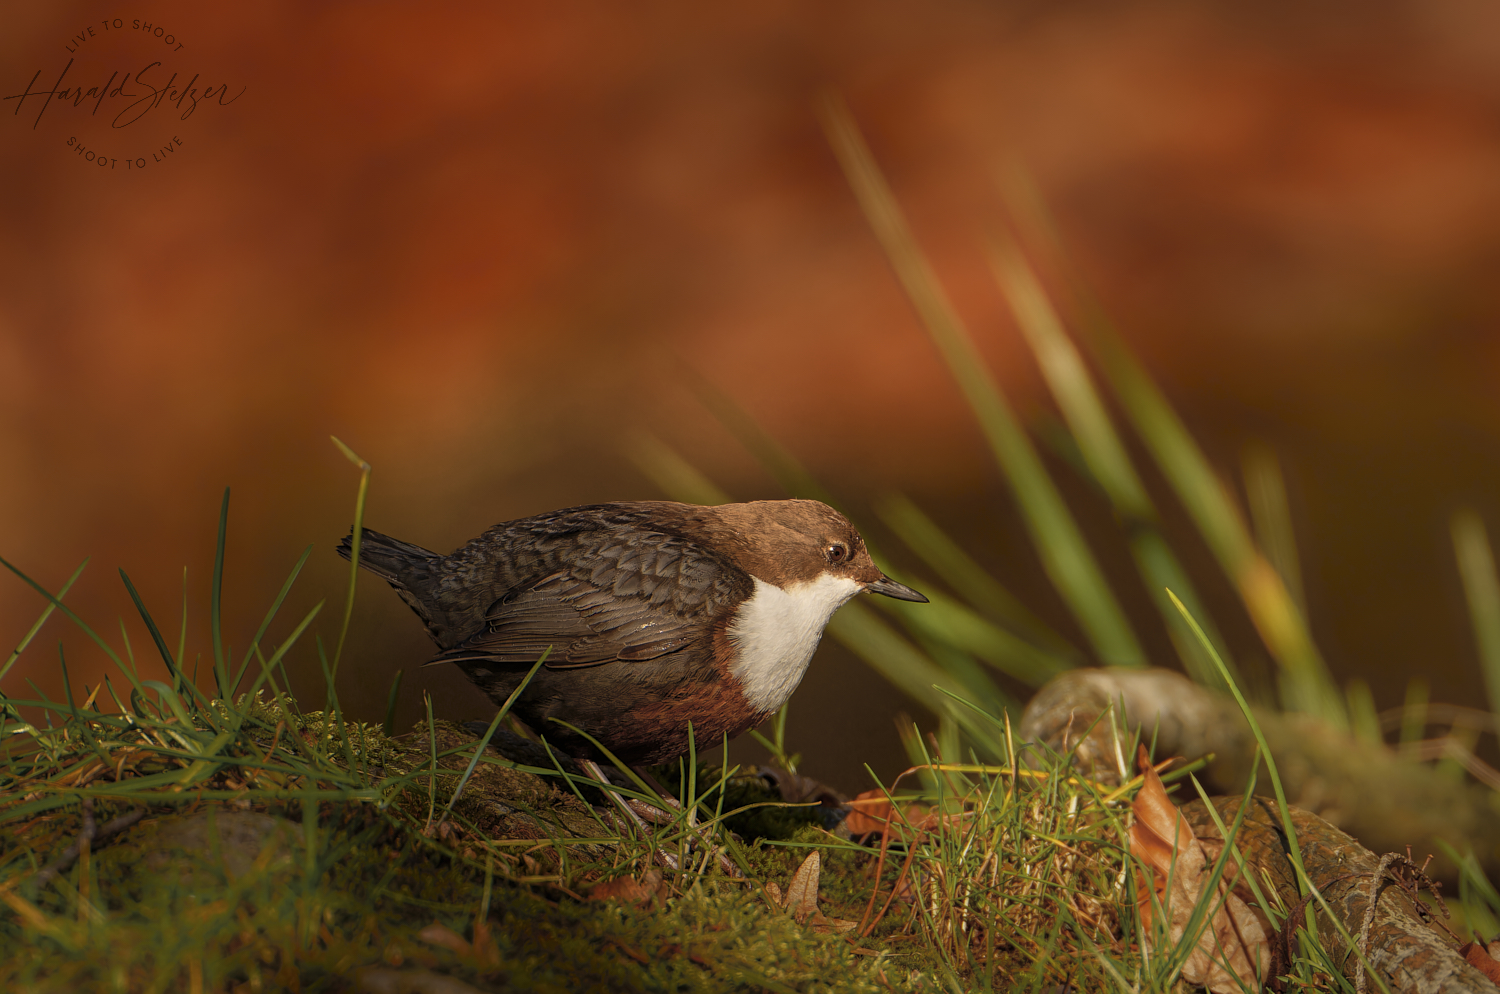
{"type": "Point", "coordinates": [836, 553]}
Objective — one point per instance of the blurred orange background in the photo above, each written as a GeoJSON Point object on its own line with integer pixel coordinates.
{"type": "Point", "coordinates": [484, 243]}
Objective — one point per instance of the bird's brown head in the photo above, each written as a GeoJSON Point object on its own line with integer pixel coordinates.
{"type": "Point", "coordinates": [786, 542]}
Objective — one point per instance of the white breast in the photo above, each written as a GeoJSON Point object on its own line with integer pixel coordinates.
{"type": "Point", "coordinates": [776, 631]}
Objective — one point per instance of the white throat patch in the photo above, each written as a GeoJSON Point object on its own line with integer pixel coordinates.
{"type": "Point", "coordinates": [776, 632]}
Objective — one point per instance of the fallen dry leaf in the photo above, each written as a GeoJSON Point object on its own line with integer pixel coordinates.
{"type": "Point", "coordinates": [486, 949]}
{"type": "Point", "coordinates": [1232, 952]}
{"type": "Point", "coordinates": [441, 935]}
{"type": "Point", "coordinates": [869, 813]}
{"type": "Point", "coordinates": [872, 813]}
{"type": "Point", "coordinates": [628, 889]}
{"type": "Point", "coordinates": [1479, 957]}
{"type": "Point", "coordinates": [802, 897]}
{"type": "Point", "coordinates": [802, 893]}
{"type": "Point", "coordinates": [822, 923]}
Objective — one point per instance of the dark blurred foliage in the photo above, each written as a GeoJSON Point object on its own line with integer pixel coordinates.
{"type": "Point", "coordinates": [484, 242]}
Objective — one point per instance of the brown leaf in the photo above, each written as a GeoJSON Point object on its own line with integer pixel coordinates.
{"type": "Point", "coordinates": [871, 812]}
{"type": "Point", "coordinates": [1232, 951]}
{"type": "Point", "coordinates": [486, 949]}
{"type": "Point", "coordinates": [802, 893]}
{"type": "Point", "coordinates": [628, 889]}
{"type": "Point", "coordinates": [441, 935]}
{"type": "Point", "coordinates": [1480, 958]}
{"type": "Point", "coordinates": [822, 923]}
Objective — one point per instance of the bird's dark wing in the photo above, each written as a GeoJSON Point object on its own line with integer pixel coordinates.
{"type": "Point", "coordinates": [631, 596]}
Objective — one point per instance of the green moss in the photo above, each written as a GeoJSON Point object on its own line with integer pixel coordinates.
{"type": "Point", "coordinates": [278, 890]}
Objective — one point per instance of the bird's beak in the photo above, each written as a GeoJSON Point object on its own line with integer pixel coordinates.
{"type": "Point", "coordinates": [900, 591]}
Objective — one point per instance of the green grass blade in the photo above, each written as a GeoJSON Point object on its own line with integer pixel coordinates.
{"type": "Point", "coordinates": [182, 631]}
{"type": "Point", "coordinates": [1476, 564]}
{"type": "Point", "coordinates": [1271, 516]}
{"type": "Point", "coordinates": [42, 620]}
{"type": "Point", "coordinates": [490, 732]}
{"type": "Point", "coordinates": [260, 632]}
{"type": "Point", "coordinates": [947, 622]}
{"type": "Point", "coordinates": [1306, 683]}
{"type": "Point", "coordinates": [1069, 382]}
{"type": "Point", "coordinates": [671, 473]}
{"type": "Point", "coordinates": [432, 775]}
{"type": "Point", "coordinates": [62, 660]}
{"type": "Point", "coordinates": [1162, 571]}
{"type": "Point", "coordinates": [269, 665]}
{"type": "Point", "coordinates": [221, 669]}
{"type": "Point", "coordinates": [965, 576]}
{"type": "Point", "coordinates": [1289, 831]}
{"type": "Point", "coordinates": [173, 700]}
{"type": "Point", "coordinates": [1103, 453]}
{"type": "Point", "coordinates": [161, 645]}
{"type": "Point", "coordinates": [359, 524]}
{"type": "Point", "coordinates": [83, 625]}
{"type": "Point", "coordinates": [771, 454]}
{"type": "Point", "coordinates": [861, 630]}
{"type": "Point", "coordinates": [1065, 556]}
{"type": "Point", "coordinates": [390, 706]}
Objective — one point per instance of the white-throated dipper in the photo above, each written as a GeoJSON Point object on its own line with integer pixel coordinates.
{"type": "Point", "coordinates": [658, 613]}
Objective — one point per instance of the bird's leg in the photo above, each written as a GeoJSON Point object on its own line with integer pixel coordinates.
{"type": "Point", "coordinates": [592, 769]}
{"type": "Point", "coordinates": [666, 797]}
{"type": "Point", "coordinates": [698, 831]}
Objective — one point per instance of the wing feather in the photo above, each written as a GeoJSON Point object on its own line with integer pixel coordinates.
{"type": "Point", "coordinates": [631, 598]}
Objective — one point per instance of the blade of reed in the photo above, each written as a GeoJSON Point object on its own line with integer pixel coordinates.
{"type": "Point", "coordinates": [389, 727]}
{"type": "Point", "coordinates": [1271, 516]}
{"type": "Point", "coordinates": [949, 622]}
{"type": "Point", "coordinates": [68, 613]}
{"type": "Point", "coordinates": [161, 645]}
{"type": "Point", "coordinates": [221, 668]}
{"type": "Point", "coordinates": [359, 524]}
{"type": "Point", "coordinates": [1289, 830]}
{"type": "Point", "coordinates": [1476, 565]}
{"type": "Point", "coordinates": [265, 623]}
{"type": "Point", "coordinates": [489, 733]}
{"type": "Point", "coordinates": [40, 621]}
{"type": "Point", "coordinates": [1104, 454]}
{"type": "Point", "coordinates": [182, 631]}
{"type": "Point", "coordinates": [965, 576]}
{"type": "Point", "coordinates": [1364, 720]}
{"type": "Point", "coordinates": [1306, 684]}
{"type": "Point", "coordinates": [863, 632]}
{"type": "Point", "coordinates": [671, 473]}
{"type": "Point", "coordinates": [1065, 556]}
{"type": "Point", "coordinates": [771, 454]}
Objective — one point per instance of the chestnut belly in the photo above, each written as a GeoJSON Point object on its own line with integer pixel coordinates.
{"type": "Point", "coordinates": [638, 711]}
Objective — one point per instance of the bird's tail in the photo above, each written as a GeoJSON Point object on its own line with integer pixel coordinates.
{"type": "Point", "coordinates": [401, 564]}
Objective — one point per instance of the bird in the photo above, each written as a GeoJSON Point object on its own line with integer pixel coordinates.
{"type": "Point", "coordinates": [654, 614]}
